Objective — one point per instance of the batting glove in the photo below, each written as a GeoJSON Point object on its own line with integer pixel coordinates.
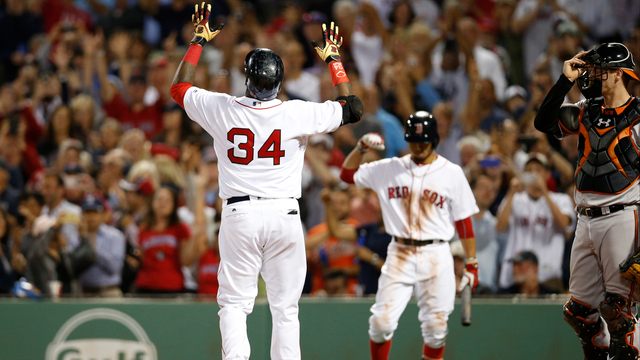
{"type": "Point", "coordinates": [332, 43]}
{"type": "Point", "coordinates": [370, 141]}
{"type": "Point", "coordinates": [203, 31]}
{"type": "Point", "coordinates": [470, 276]}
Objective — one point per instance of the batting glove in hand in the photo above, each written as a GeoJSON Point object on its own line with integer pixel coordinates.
{"type": "Point", "coordinates": [470, 276]}
{"type": "Point", "coordinates": [332, 43]}
{"type": "Point", "coordinates": [370, 141]}
{"type": "Point", "coordinates": [203, 31]}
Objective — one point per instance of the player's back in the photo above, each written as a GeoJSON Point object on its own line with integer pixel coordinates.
{"type": "Point", "coordinates": [260, 144]}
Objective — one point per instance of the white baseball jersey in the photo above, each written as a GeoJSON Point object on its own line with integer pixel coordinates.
{"type": "Point", "coordinates": [532, 228]}
{"type": "Point", "coordinates": [419, 202]}
{"type": "Point", "coordinates": [260, 144]}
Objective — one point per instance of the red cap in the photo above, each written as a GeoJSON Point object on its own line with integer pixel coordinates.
{"type": "Point", "coordinates": [164, 149]}
{"type": "Point", "coordinates": [143, 186]}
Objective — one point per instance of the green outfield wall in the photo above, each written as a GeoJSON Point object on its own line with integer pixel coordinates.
{"type": "Point", "coordinates": [135, 329]}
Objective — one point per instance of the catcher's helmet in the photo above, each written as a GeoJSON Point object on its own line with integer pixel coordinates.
{"type": "Point", "coordinates": [600, 59]}
{"type": "Point", "coordinates": [421, 127]}
{"type": "Point", "coordinates": [264, 73]}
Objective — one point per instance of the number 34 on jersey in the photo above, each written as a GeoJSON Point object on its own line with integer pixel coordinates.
{"type": "Point", "coordinates": [270, 149]}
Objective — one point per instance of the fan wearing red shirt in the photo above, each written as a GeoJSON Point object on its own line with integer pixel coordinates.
{"type": "Point", "coordinates": [135, 114]}
{"type": "Point", "coordinates": [167, 245]}
{"type": "Point", "coordinates": [208, 272]}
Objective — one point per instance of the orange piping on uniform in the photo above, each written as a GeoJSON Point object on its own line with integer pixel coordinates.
{"type": "Point", "coordinates": [565, 129]}
{"type": "Point", "coordinates": [603, 131]}
{"type": "Point", "coordinates": [602, 193]}
{"type": "Point", "coordinates": [614, 158]}
{"type": "Point", "coordinates": [587, 146]}
{"type": "Point", "coordinates": [580, 302]}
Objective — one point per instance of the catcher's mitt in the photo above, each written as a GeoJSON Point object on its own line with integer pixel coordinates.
{"type": "Point", "coordinates": [630, 268]}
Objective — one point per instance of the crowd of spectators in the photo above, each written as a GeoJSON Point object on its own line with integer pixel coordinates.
{"type": "Point", "coordinates": [107, 188]}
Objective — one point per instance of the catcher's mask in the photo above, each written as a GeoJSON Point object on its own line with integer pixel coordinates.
{"type": "Point", "coordinates": [604, 57]}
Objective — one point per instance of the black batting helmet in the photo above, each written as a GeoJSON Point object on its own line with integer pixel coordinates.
{"type": "Point", "coordinates": [599, 59]}
{"type": "Point", "coordinates": [264, 73]}
{"type": "Point", "coordinates": [421, 127]}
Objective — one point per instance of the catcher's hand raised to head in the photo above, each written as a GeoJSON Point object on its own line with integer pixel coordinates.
{"type": "Point", "coordinates": [630, 268]}
{"type": "Point", "coordinates": [332, 43]}
{"type": "Point", "coordinates": [203, 31]}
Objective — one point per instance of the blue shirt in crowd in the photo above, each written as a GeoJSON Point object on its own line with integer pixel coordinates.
{"type": "Point", "coordinates": [393, 133]}
{"type": "Point", "coordinates": [371, 237]}
{"type": "Point", "coordinates": [110, 247]}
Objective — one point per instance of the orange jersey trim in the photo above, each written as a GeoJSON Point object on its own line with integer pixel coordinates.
{"type": "Point", "coordinates": [614, 158]}
{"type": "Point", "coordinates": [587, 146]}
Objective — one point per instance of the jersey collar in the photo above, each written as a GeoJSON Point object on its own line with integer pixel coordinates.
{"type": "Point", "coordinates": [421, 170]}
{"type": "Point", "coordinates": [258, 104]}
{"type": "Point", "coordinates": [412, 164]}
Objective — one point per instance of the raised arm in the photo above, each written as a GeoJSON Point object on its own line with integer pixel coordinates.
{"type": "Point", "coordinates": [203, 33]}
{"type": "Point", "coordinates": [352, 107]}
{"type": "Point", "coordinates": [503, 216]}
{"type": "Point", "coordinates": [339, 230]}
{"type": "Point", "coordinates": [352, 162]}
{"type": "Point", "coordinates": [547, 118]}
{"type": "Point", "coordinates": [521, 24]}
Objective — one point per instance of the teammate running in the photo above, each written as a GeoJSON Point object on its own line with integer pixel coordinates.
{"type": "Point", "coordinates": [260, 143]}
{"type": "Point", "coordinates": [421, 195]}
{"type": "Point", "coordinates": [606, 195]}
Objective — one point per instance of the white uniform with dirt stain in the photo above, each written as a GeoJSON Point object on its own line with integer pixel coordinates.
{"type": "Point", "coordinates": [420, 203]}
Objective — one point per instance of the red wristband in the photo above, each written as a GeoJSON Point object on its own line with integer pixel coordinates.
{"type": "Point", "coordinates": [193, 54]}
{"type": "Point", "coordinates": [338, 75]}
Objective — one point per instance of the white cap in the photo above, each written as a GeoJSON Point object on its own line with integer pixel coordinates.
{"type": "Point", "coordinates": [515, 90]}
{"type": "Point", "coordinates": [322, 139]}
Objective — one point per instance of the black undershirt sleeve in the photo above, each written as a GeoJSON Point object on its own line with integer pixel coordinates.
{"type": "Point", "coordinates": [547, 118]}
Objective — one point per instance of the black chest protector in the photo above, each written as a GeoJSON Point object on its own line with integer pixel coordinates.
{"type": "Point", "coordinates": [608, 161]}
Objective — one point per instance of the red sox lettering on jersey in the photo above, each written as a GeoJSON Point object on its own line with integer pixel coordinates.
{"type": "Point", "coordinates": [532, 228]}
{"type": "Point", "coordinates": [443, 190]}
{"type": "Point", "coordinates": [433, 197]}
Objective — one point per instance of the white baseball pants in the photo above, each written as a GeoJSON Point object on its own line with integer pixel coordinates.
{"type": "Point", "coordinates": [261, 237]}
{"type": "Point", "coordinates": [427, 272]}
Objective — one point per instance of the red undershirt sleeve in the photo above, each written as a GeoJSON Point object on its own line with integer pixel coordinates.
{"type": "Point", "coordinates": [465, 228]}
{"type": "Point", "coordinates": [346, 175]}
{"type": "Point", "coordinates": [177, 92]}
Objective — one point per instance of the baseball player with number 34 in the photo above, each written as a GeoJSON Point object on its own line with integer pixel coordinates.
{"type": "Point", "coordinates": [422, 196]}
{"type": "Point", "coordinates": [260, 142]}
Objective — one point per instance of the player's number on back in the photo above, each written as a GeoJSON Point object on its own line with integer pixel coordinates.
{"type": "Point", "coordinates": [273, 141]}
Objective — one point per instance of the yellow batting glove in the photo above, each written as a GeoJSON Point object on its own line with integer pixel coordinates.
{"type": "Point", "coordinates": [203, 31]}
{"type": "Point", "coordinates": [332, 43]}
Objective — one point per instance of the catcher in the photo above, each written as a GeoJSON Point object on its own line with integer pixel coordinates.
{"type": "Point", "coordinates": [607, 195]}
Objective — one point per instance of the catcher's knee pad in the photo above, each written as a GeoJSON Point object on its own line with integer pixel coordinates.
{"type": "Point", "coordinates": [575, 314]}
{"type": "Point", "coordinates": [621, 327]}
{"type": "Point", "coordinates": [434, 330]}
